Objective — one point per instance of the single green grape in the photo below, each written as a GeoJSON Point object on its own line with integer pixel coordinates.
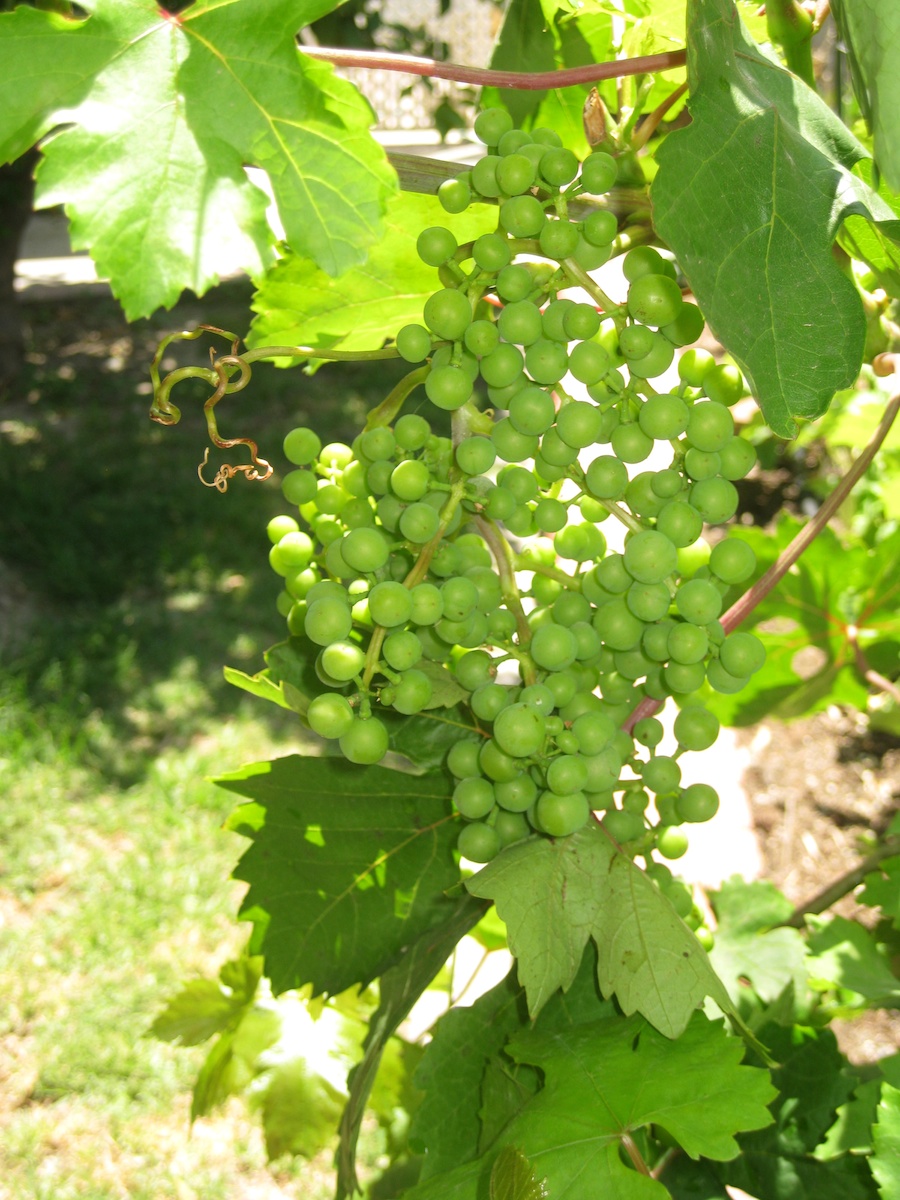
{"type": "Point", "coordinates": [365, 741]}
{"type": "Point", "coordinates": [329, 715]}
{"type": "Point", "coordinates": [698, 802]}
{"type": "Point", "coordinates": [302, 446]}
{"type": "Point", "coordinates": [435, 245]}
{"type": "Point", "coordinates": [479, 843]}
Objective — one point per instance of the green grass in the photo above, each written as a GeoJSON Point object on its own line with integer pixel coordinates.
{"type": "Point", "coordinates": [125, 587]}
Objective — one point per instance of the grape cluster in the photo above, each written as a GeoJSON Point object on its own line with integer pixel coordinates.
{"type": "Point", "coordinates": [424, 556]}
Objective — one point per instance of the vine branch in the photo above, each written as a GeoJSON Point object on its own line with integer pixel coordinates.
{"type": "Point", "coordinates": [376, 60]}
{"type": "Point", "coordinates": [843, 886]}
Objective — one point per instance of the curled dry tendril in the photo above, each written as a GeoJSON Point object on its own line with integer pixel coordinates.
{"type": "Point", "coordinates": [228, 373]}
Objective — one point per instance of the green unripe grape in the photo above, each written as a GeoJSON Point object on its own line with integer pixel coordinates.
{"type": "Point", "coordinates": [636, 341]}
{"type": "Point", "coordinates": [278, 527]}
{"type": "Point", "coordinates": [560, 816]}
{"type": "Point", "coordinates": [502, 366]}
{"type": "Point", "coordinates": [650, 556]}
{"type": "Point", "coordinates": [390, 603]}
{"type": "Point", "coordinates": [448, 387]}
{"type": "Point", "coordinates": [553, 317]}
{"type": "Point", "coordinates": [701, 464]}
{"type": "Point", "coordinates": [710, 427]}
{"type": "Point", "coordinates": [335, 454]}
{"type": "Point", "coordinates": [292, 553]}
{"type": "Point", "coordinates": [736, 458]}
{"type": "Point", "coordinates": [427, 605]}
{"type": "Point", "coordinates": [693, 366]}
{"type": "Point", "coordinates": [330, 498]}
{"type": "Point", "coordinates": [550, 515]}
{"type": "Point", "coordinates": [598, 173]}
{"type": "Point", "coordinates": [531, 413]}
{"type": "Point", "coordinates": [522, 216]}
{"type": "Point", "coordinates": [640, 496]}
{"type": "Point", "coordinates": [724, 384]}
{"type": "Point", "coordinates": [295, 611]}
{"type": "Point", "coordinates": [698, 802]}
{"type": "Point", "coordinates": [688, 643]}
{"type": "Point", "coordinates": [546, 361]}
{"type": "Point", "coordinates": [648, 601]}
{"type": "Point", "coordinates": [623, 826]}
{"type": "Point", "coordinates": [462, 758]}
{"type": "Point", "coordinates": [578, 423]}
{"type": "Point", "coordinates": [698, 601]}
{"type": "Point", "coordinates": [715, 499]}
{"type": "Point", "coordinates": [520, 322]}
{"type": "Point", "coordinates": [511, 827]}
{"type": "Point", "coordinates": [589, 257]}
{"type": "Point", "coordinates": [375, 444]}
{"type": "Point", "coordinates": [732, 560]}
{"type": "Point", "coordinates": [419, 523]}
{"type": "Point", "coordinates": [389, 510]}
{"type": "Point", "coordinates": [642, 260]}
{"type": "Point", "coordinates": [567, 773]}
{"type": "Point", "coordinates": [666, 484]}
{"type": "Point", "coordinates": [412, 693]}
{"type": "Point", "coordinates": [648, 732]}
{"type": "Point", "coordinates": [460, 598]}
{"type": "Point", "coordinates": [606, 477]}
{"type": "Point", "coordinates": [327, 529]}
{"type": "Point", "coordinates": [581, 543]}
{"type": "Point", "coordinates": [364, 550]}
{"type": "Point", "coordinates": [435, 245]}
{"type": "Point", "coordinates": [563, 686]}
{"type": "Point", "coordinates": [588, 362]}
{"type": "Point", "coordinates": [479, 843]}
{"type": "Point", "coordinates": [342, 661]}
{"type": "Point", "coordinates": [686, 328]}
{"type": "Point", "coordinates": [401, 650]}
{"type": "Point", "coordinates": [655, 640]}
{"type": "Point", "coordinates": [481, 338]}
{"type": "Point", "coordinates": [661, 774]}
{"type": "Point", "coordinates": [378, 477]}
{"type": "Point", "coordinates": [491, 124]}
{"type": "Point", "coordinates": [298, 583]}
{"type": "Point", "coordinates": [302, 446]}
{"type": "Point", "coordinates": [570, 608]}
{"type": "Point", "coordinates": [594, 731]}
{"type": "Point", "coordinates": [488, 700]}
{"type": "Point", "coordinates": [553, 647]}
{"type": "Point", "coordinates": [684, 678]}
{"type": "Point", "coordinates": [474, 669]}
{"type": "Point", "coordinates": [664, 417]}
{"type": "Point", "coordinates": [475, 455]}
{"type": "Point", "coordinates": [329, 715]}
{"type": "Point", "coordinates": [520, 482]}
{"type": "Point", "coordinates": [514, 283]}
{"type": "Point", "coordinates": [365, 742]}
{"type": "Point", "coordinates": [512, 142]}
{"type": "Point", "coordinates": [696, 728]}
{"type": "Point", "coordinates": [742, 654]}
{"type": "Point", "coordinates": [327, 620]}
{"type": "Point", "coordinates": [630, 443]}
{"type": "Point", "coordinates": [654, 363]}
{"type": "Point", "coordinates": [721, 680]}
{"type": "Point", "coordinates": [558, 239]}
{"type": "Point", "coordinates": [672, 842]}
{"type": "Point", "coordinates": [335, 564]}
{"type": "Point", "coordinates": [454, 195]}
{"type": "Point", "coordinates": [520, 730]}
{"type": "Point", "coordinates": [681, 523]}
{"type": "Point", "coordinates": [484, 176]}
{"type": "Point", "coordinates": [496, 764]}
{"type": "Point", "coordinates": [491, 252]}
{"type": "Point", "coordinates": [515, 174]}
{"type": "Point", "coordinates": [613, 575]}
{"type": "Point", "coordinates": [473, 798]}
{"type": "Point", "coordinates": [447, 313]}
{"type": "Point", "coordinates": [581, 322]}
{"type": "Point", "coordinates": [559, 166]}
{"type": "Point", "coordinates": [600, 228]}
{"type": "Point", "coordinates": [299, 487]}
{"type": "Point", "coordinates": [546, 472]}
{"type": "Point", "coordinates": [410, 479]}
{"type": "Point", "coordinates": [618, 626]}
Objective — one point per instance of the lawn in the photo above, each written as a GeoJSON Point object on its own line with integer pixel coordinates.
{"type": "Point", "coordinates": [124, 587]}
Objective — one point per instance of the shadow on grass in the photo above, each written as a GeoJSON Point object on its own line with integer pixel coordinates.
{"type": "Point", "coordinates": [140, 582]}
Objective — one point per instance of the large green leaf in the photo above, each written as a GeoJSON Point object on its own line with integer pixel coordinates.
{"type": "Point", "coordinates": [751, 952]}
{"type": "Point", "coordinates": [882, 889]}
{"type": "Point", "coordinates": [205, 1007]}
{"type": "Point", "coordinates": [298, 304]}
{"type": "Point", "coordinates": [777, 1162]}
{"type": "Point", "coordinates": [750, 197]}
{"type": "Point", "coordinates": [870, 32]}
{"type": "Point", "coordinates": [348, 866]}
{"type": "Point", "coordinates": [835, 595]}
{"type": "Point", "coordinates": [160, 115]}
{"type": "Point", "coordinates": [555, 895]}
{"type": "Point", "coordinates": [845, 955]}
{"type": "Point", "coordinates": [886, 1160]}
{"type": "Point", "coordinates": [603, 1082]}
{"type": "Point", "coordinates": [399, 989]}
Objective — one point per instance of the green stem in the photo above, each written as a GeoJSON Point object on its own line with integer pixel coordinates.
{"type": "Point", "coordinates": [384, 413]}
{"type": "Point", "coordinates": [580, 277]}
{"type": "Point", "coordinates": [264, 352]}
{"type": "Point", "coordinates": [792, 28]}
{"type": "Point", "coordinates": [506, 569]}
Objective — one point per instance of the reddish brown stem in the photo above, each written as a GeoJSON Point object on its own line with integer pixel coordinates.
{"type": "Point", "coordinates": [375, 60]}
{"type": "Point", "coordinates": [742, 608]}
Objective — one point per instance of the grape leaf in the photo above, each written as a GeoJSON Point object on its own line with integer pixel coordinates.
{"type": "Point", "coordinates": [555, 895]}
{"type": "Point", "coordinates": [844, 954]}
{"type": "Point", "coordinates": [886, 1135]}
{"type": "Point", "coordinates": [870, 33]}
{"type": "Point", "coordinates": [812, 1082]}
{"type": "Point", "coordinates": [513, 1178]}
{"type": "Point", "coordinates": [603, 1081]}
{"type": "Point", "coordinates": [399, 989]}
{"type": "Point", "coordinates": [524, 43]}
{"type": "Point", "coordinates": [750, 198]}
{"type": "Point", "coordinates": [852, 1129]}
{"type": "Point", "coordinates": [205, 1007]}
{"type": "Point", "coordinates": [152, 173]}
{"type": "Point", "coordinates": [261, 685]}
{"type": "Point", "coordinates": [748, 948]}
{"type": "Point", "coordinates": [808, 623]}
{"type": "Point", "coordinates": [687, 1180]}
{"type": "Point", "coordinates": [298, 304]}
{"type": "Point", "coordinates": [866, 243]}
{"type": "Point", "coordinates": [882, 889]}
{"type": "Point", "coordinates": [348, 866]}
